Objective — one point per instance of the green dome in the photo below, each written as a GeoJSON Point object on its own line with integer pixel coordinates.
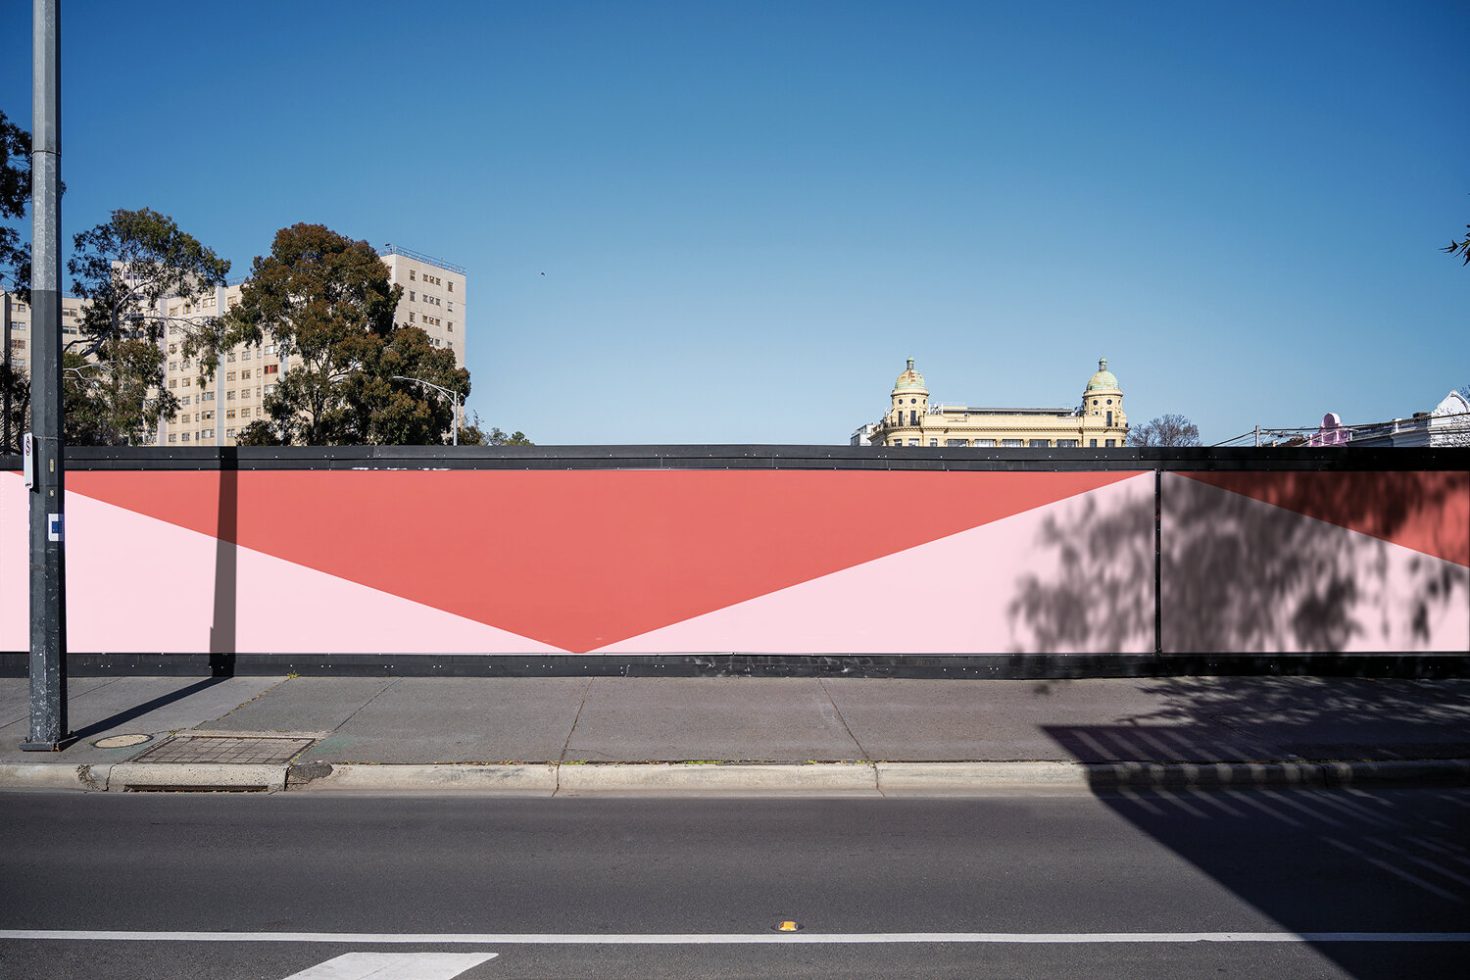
{"type": "Point", "coordinates": [910, 378]}
{"type": "Point", "coordinates": [1103, 380]}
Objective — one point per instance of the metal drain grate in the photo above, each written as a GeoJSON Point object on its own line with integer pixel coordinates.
{"type": "Point", "coordinates": [230, 750]}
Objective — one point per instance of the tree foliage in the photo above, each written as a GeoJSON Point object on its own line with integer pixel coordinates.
{"type": "Point", "coordinates": [15, 193]}
{"type": "Point", "coordinates": [1166, 430]}
{"type": "Point", "coordinates": [474, 434]}
{"type": "Point", "coordinates": [1460, 247]}
{"type": "Point", "coordinates": [326, 302]}
{"type": "Point", "coordinates": [124, 269]}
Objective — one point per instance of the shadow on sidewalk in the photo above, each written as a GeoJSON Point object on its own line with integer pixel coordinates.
{"type": "Point", "coordinates": [1390, 868]}
{"type": "Point", "coordinates": [137, 711]}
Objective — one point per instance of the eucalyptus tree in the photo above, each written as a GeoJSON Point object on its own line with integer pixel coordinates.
{"type": "Point", "coordinates": [145, 284]}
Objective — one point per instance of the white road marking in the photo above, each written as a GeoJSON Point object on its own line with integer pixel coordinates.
{"type": "Point", "coordinates": [732, 938]}
{"type": "Point", "coordinates": [394, 966]}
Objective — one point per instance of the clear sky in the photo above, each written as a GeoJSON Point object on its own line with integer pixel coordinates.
{"type": "Point", "coordinates": [731, 222]}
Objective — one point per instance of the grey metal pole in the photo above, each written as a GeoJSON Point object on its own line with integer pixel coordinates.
{"type": "Point", "coordinates": [49, 731]}
{"type": "Point", "coordinates": [454, 438]}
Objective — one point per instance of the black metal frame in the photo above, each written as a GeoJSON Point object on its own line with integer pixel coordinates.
{"type": "Point", "coordinates": [741, 457]}
{"type": "Point", "coordinates": [753, 457]}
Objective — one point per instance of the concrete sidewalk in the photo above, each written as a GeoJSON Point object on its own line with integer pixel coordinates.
{"type": "Point", "coordinates": [609, 734]}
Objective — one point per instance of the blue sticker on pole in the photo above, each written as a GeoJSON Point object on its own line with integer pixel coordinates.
{"type": "Point", "coordinates": [53, 527]}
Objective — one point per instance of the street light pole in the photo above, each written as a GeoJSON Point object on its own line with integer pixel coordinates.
{"type": "Point", "coordinates": [48, 730]}
{"type": "Point", "coordinates": [454, 396]}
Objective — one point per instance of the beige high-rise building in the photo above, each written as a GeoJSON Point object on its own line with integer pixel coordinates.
{"type": "Point", "coordinates": [212, 412]}
{"type": "Point", "coordinates": [912, 420]}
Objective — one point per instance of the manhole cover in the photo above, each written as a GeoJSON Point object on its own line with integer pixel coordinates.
{"type": "Point", "coordinates": [122, 741]}
{"type": "Point", "coordinates": [231, 750]}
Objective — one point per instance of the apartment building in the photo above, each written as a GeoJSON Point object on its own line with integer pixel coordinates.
{"type": "Point", "coordinates": [212, 411]}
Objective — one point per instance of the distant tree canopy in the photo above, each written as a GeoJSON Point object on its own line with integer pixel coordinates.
{"type": "Point", "coordinates": [475, 435]}
{"type": "Point", "coordinates": [1166, 430]}
{"type": "Point", "coordinates": [124, 268]}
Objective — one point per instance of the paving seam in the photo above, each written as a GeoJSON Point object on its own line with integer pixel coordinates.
{"type": "Point", "coordinates": [845, 726]}
{"type": "Point", "coordinates": [358, 710]}
{"type": "Point", "coordinates": [567, 742]}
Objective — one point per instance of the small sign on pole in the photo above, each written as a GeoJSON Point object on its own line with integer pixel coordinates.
{"type": "Point", "coordinates": [28, 460]}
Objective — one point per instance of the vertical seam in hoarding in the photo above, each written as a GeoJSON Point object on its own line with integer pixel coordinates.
{"type": "Point", "coordinates": [1158, 563]}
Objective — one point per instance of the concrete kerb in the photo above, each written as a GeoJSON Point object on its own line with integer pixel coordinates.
{"type": "Point", "coordinates": [730, 779]}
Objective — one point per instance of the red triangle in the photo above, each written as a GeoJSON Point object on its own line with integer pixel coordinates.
{"type": "Point", "coordinates": [1427, 511]}
{"type": "Point", "coordinates": [581, 559]}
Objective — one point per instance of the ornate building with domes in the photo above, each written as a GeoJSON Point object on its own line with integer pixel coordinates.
{"type": "Point", "coordinates": [912, 420]}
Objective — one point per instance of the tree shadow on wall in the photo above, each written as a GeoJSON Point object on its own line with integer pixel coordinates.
{"type": "Point", "coordinates": [1100, 596]}
{"type": "Point", "coordinates": [1280, 574]}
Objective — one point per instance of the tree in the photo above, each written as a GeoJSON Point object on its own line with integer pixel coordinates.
{"type": "Point", "coordinates": [15, 386]}
{"type": "Point", "coordinates": [1460, 247]}
{"type": "Point", "coordinates": [394, 412]}
{"type": "Point", "coordinates": [124, 269]}
{"type": "Point", "coordinates": [474, 434]}
{"type": "Point", "coordinates": [15, 194]}
{"type": "Point", "coordinates": [325, 300]}
{"type": "Point", "coordinates": [1166, 430]}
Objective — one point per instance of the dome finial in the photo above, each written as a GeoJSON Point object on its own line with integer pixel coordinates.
{"type": "Point", "coordinates": [1102, 363]}
{"type": "Point", "coordinates": [911, 364]}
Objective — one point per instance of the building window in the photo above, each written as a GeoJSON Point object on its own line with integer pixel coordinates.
{"type": "Point", "coordinates": [1066, 443]}
{"type": "Point", "coordinates": [1092, 443]}
{"type": "Point", "coordinates": [184, 437]}
{"type": "Point", "coordinates": [954, 442]}
{"type": "Point", "coordinates": [913, 417]}
{"type": "Point", "coordinates": [173, 437]}
{"type": "Point", "coordinates": [913, 442]}
{"type": "Point", "coordinates": [229, 433]}
{"type": "Point", "coordinates": [451, 285]}
{"type": "Point", "coordinates": [245, 374]}
{"type": "Point", "coordinates": [272, 369]}
{"type": "Point", "coordinates": [981, 443]}
{"type": "Point", "coordinates": [451, 326]}
{"type": "Point", "coordinates": [1110, 420]}
{"type": "Point", "coordinates": [412, 275]}
{"type": "Point", "coordinates": [1012, 443]}
{"type": "Point", "coordinates": [244, 413]}
{"type": "Point", "coordinates": [230, 375]}
{"type": "Point", "coordinates": [206, 434]}
{"type": "Point", "coordinates": [934, 442]}
{"type": "Point", "coordinates": [1040, 443]}
{"type": "Point", "coordinates": [1110, 443]}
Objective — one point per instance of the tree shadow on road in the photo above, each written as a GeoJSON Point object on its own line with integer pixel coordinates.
{"type": "Point", "coordinates": [1380, 865]}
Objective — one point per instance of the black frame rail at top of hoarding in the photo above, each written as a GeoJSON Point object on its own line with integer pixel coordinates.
{"type": "Point", "coordinates": [751, 457]}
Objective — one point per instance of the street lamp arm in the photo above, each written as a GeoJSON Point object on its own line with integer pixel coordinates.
{"type": "Point", "coordinates": [454, 398]}
{"type": "Point", "coordinates": [450, 392]}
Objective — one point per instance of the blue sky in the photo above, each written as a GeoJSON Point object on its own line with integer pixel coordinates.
{"type": "Point", "coordinates": [748, 214]}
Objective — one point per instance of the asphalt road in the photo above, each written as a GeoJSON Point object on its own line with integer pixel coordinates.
{"type": "Point", "coordinates": [1076, 868]}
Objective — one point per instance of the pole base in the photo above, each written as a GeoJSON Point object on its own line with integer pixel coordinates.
{"type": "Point", "coordinates": [29, 746]}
